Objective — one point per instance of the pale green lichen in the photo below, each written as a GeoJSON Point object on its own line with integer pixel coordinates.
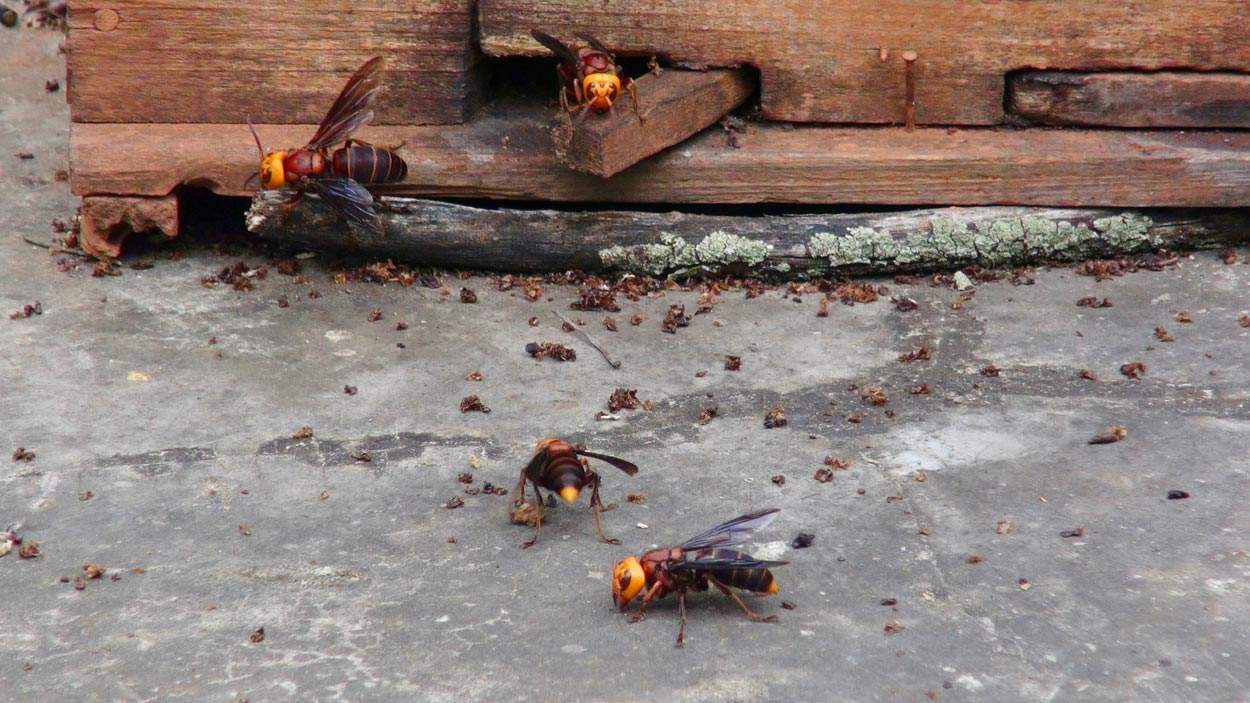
{"type": "Point", "coordinates": [674, 253]}
{"type": "Point", "coordinates": [1126, 229]}
{"type": "Point", "coordinates": [652, 259]}
{"type": "Point", "coordinates": [860, 245]}
{"type": "Point", "coordinates": [952, 241]}
{"type": "Point", "coordinates": [720, 248]}
{"type": "Point", "coordinates": [823, 245]}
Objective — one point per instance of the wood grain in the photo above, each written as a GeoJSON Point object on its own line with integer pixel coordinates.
{"type": "Point", "coordinates": [820, 61]}
{"type": "Point", "coordinates": [775, 164]}
{"type": "Point", "coordinates": [1116, 99]}
{"type": "Point", "coordinates": [504, 239]}
{"type": "Point", "coordinates": [281, 62]}
{"type": "Point", "coordinates": [674, 105]}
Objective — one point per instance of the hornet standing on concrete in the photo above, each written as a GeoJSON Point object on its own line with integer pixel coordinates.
{"type": "Point", "coordinates": [557, 467]}
{"type": "Point", "coordinates": [702, 560]}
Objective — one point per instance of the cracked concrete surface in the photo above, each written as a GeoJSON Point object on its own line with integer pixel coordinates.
{"type": "Point", "coordinates": [185, 445]}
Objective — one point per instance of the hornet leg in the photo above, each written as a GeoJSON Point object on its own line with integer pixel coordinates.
{"type": "Point", "coordinates": [538, 524]}
{"type": "Point", "coordinates": [725, 589]}
{"type": "Point", "coordinates": [288, 206]}
{"type": "Point", "coordinates": [594, 493]}
{"type": "Point", "coordinates": [519, 491]}
{"type": "Point", "coordinates": [642, 610]}
{"type": "Point", "coordinates": [596, 505]}
{"type": "Point", "coordinates": [681, 612]}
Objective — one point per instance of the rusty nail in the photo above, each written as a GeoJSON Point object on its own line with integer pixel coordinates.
{"type": "Point", "coordinates": [909, 57]}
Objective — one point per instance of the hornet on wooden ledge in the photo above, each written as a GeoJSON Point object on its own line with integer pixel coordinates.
{"type": "Point", "coordinates": [590, 74]}
{"type": "Point", "coordinates": [337, 177]}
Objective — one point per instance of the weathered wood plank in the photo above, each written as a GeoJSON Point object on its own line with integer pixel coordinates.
{"type": "Point", "coordinates": [821, 61]}
{"type": "Point", "coordinates": [218, 60]}
{"type": "Point", "coordinates": [674, 105]}
{"type": "Point", "coordinates": [108, 220]}
{"type": "Point", "coordinates": [445, 234]}
{"type": "Point", "coordinates": [1117, 99]}
{"type": "Point", "coordinates": [775, 164]}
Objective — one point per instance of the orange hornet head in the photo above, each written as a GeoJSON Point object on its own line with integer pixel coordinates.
{"type": "Point", "coordinates": [272, 173]}
{"type": "Point", "coordinates": [601, 90]}
{"type": "Point", "coordinates": [628, 580]}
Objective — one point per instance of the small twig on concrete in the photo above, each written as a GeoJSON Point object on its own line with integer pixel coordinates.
{"type": "Point", "coordinates": [611, 362]}
{"type": "Point", "coordinates": [59, 250]}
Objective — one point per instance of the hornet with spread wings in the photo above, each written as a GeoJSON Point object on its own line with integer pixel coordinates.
{"type": "Point", "coordinates": [702, 560]}
{"type": "Point", "coordinates": [339, 177]}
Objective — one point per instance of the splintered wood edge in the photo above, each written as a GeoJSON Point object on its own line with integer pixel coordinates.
{"type": "Point", "coordinates": [507, 154]}
{"type": "Point", "coordinates": [672, 106]}
{"type": "Point", "coordinates": [108, 220]}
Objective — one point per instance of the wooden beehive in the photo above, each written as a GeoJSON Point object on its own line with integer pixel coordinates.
{"type": "Point", "coordinates": [160, 92]}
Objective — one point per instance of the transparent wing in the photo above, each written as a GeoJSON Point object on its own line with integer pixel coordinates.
{"type": "Point", "coordinates": [746, 561]}
{"type": "Point", "coordinates": [351, 110]}
{"type": "Point", "coordinates": [349, 199]}
{"type": "Point", "coordinates": [735, 531]}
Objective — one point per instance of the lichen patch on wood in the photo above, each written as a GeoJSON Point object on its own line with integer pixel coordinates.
{"type": "Point", "coordinates": [955, 240]}
{"type": "Point", "coordinates": [714, 252]}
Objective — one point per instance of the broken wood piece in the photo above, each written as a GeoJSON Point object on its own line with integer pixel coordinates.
{"type": "Point", "coordinates": [652, 243]}
{"type": "Point", "coordinates": [776, 163]}
{"type": "Point", "coordinates": [672, 106]}
{"type": "Point", "coordinates": [107, 221]}
{"type": "Point", "coordinates": [1122, 99]}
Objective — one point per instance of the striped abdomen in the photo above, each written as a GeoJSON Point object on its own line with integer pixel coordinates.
{"type": "Point", "coordinates": [756, 580]}
{"type": "Point", "coordinates": [563, 471]}
{"type": "Point", "coordinates": [369, 164]}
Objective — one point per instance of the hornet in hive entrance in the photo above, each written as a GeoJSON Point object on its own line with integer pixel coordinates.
{"type": "Point", "coordinates": [702, 560]}
{"type": "Point", "coordinates": [558, 467]}
{"type": "Point", "coordinates": [590, 74]}
{"type": "Point", "coordinates": [337, 177]}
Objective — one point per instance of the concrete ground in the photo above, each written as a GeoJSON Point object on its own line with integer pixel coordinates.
{"type": "Point", "coordinates": [168, 460]}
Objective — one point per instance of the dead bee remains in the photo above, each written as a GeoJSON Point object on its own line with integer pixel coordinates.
{"type": "Point", "coordinates": [559, 352]}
